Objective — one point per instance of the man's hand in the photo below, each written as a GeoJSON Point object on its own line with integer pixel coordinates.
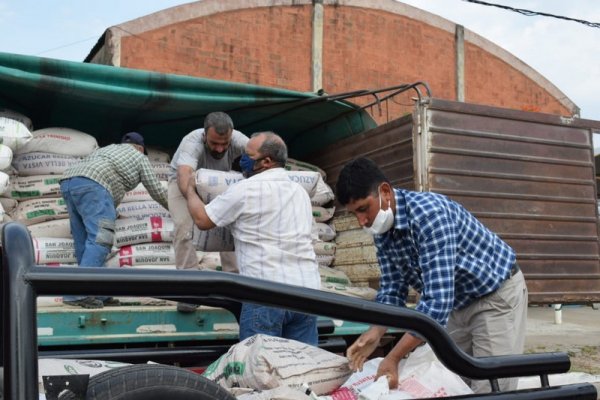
{"type": "Point", "coordinates": [364, 346]}
{"type": "Point", "coordinates": [389, 368]}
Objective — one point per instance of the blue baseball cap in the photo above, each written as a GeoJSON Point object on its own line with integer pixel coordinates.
{"type": "Point", "coordinates": [134, 138]}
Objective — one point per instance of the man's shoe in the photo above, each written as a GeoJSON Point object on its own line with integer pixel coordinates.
{"type": "Point", "coordinates": [186, 308]}
{"type": "Point", "coordinates": [86, 302]}
{"type": "Point", "coordinates": [111, 302]}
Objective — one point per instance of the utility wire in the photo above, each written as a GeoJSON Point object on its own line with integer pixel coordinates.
{"type": "Point", "coordinates": [65, 45]}
{"type": "Point", "coordinates": [530, 13]}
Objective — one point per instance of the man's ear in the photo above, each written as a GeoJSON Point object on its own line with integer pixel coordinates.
{"type": "Point", "coordinates": [386, 191]}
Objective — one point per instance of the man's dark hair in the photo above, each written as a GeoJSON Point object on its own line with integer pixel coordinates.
{"type": "Point", "coordinates": [358, 179]}
{"type": "Point", "coordinates": [220, 121]}
{"type": "Point", "coordinates": [273, 147]}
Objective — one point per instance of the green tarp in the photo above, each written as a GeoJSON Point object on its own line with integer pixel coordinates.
{"type": "Point", "coordinates": [107, 101]}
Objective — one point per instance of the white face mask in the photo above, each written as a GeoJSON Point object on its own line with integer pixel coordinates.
{"type": "Point", "coordinates": [383, 222]}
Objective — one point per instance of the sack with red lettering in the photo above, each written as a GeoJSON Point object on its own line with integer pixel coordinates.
{"type": "Point", "coordinates": [146, 230]}
{"type": "Point", "coordinates": [59, 140]}
{"type": "Point", "coordinates": [422, 375]}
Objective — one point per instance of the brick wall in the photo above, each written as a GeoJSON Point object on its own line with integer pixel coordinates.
{"type": "Point", "coordinates": [363, 48]}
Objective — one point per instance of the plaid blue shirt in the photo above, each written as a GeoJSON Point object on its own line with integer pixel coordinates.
{"type": "Point", "coordinates": [443, 252]}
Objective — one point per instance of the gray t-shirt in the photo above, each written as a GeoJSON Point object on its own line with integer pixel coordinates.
{"type": "Point", "coordinates": [191, 152]}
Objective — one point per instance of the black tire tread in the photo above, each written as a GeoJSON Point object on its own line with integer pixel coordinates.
{"type": "Point", "coordinates": [151, 381]}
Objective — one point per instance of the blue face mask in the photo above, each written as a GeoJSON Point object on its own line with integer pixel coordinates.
{"type": "Point", "coordinates": [247, 165]}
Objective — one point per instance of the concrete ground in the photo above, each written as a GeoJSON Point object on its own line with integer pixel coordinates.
{"type": "Point", "coordinates": [578, 335]}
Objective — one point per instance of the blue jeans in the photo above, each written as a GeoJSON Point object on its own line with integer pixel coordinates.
{"type": "Point", "coordinates": [92, 216]}
{"type": "Point", "coordinates": [278, 322]}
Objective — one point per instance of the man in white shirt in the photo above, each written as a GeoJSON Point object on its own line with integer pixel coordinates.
{"type": "Point", "coordinates": [214, 147]}
{"type": "Point", "coordinates": [270, 219]}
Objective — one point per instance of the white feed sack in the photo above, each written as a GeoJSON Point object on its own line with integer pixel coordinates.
{"type": "Point", "coordinates": [146, 254]}
{"type": "Point", "coordinates": [32, 187]}
{"type": "Point", "coordinates": [324, 248]}
{"type": "Point", "coordinates": [161, 169]}
{"type": "Point", "coordinates": [35, 211]}
{"type": "Point", "coordinates": [263, 362]}
{"type": "Point", "coordinates": [215, 239]}
{"type": "Point", "coordinates": [323, 193]}
{"type": "Point", "coordinates": [322, 214]}
{"type": "Point", "coordinates": [11, 114]}
{"type": "Point", "coordinates": [9, 205]}
{"type": "Point", "coordinates": [142, 209]}
{"type": "Point", "coordinates": [59, 228]}
{"type": "Point", "coordinates": [6, 156]}
{"type": "Point", "coordinates": [53, 251]}
{"type": "Point", "coordinates": [295, 165]}
{"type": "Point", "coordinates": [323, 231]}
{"type": "Point", "coordinates": [4, 183]}
{"type": "Point", "coordinates": [140, 193]}
{"type": "Point", "coordinates": [13, 133]}
{"type": "Point", "coordinates": [42, 163]}
{"type": "Point", "coordinates": [59, 140]}
{"type": "Point", "coordinates": [158, 156]}
{"type": "Point", "coordinates": [146, 230]}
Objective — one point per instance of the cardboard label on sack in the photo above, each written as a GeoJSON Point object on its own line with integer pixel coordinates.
{"type": "Point", "coordinates": [147, 230]}
{"type": "Point", "coordinates": [265, 362]}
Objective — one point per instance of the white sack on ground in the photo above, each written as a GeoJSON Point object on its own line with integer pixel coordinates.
{"type": "Point", "coordinates": [59, 228]}
{"type": "Point", "coordinates": [11, 114]}
{"type": "Point", "coordinates": [6, 156]}
{"type": "Point", "coordinates": [264, 362]}
{"type": "Point", "coordinates": [13, 133]}
{"type": "Point", "coordinates": [140, 193]}
{"type": "Point", "coordinates": [35, 211]}
{"type": "Point", "coordinates": [32, 187]}
{"type": "Point", "coordinates": [4, 183]}
{"type": "Point", "coordinates": [60, 140]}
{"type": "Point", "coordinates": [53, 250]}
{"type": "Point", "coordinates": [422, 375]}
{"type": "Point", "coordinates": [146, 230]}
{"type": "Point", "coordinates": [41, 163]}
{"type": "Point", "coordinates": [142, 209]}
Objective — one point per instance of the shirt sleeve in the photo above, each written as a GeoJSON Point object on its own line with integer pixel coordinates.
{"type": "Point", "coordinates": [437, 237]}
{"type": "Point", "coordinates": [190, 150]}
{"type": "Point", "coordinates": [226, 208]}
{"type": "Point", "coordinates": [152, 184]}
{"type": "Point", "coordinates": [393, 288]}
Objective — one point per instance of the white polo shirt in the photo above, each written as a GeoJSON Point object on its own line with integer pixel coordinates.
{"type": "Point", "coordinates": [270, 219]}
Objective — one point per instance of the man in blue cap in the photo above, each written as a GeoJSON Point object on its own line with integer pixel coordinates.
{"type": "Point", "coordinates": [92, 190]}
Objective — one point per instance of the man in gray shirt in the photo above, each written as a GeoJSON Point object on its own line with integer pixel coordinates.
{"type": "Point", "coordinates": [214, 147]}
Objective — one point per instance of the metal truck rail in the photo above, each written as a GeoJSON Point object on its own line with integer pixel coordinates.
{"type": "Point", "coordinates": [23, 281]}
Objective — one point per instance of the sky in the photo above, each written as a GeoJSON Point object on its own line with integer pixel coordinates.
{"type": "Point", "coordinates": [564, 52]}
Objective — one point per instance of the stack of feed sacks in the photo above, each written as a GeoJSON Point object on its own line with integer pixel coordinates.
{"type": "Point", "coordinates": [144, 229]}
{"type": "Point", "coordinates": [15, 132]}
{"type": "Point", "coordinates": [332, 258]}
{"type": "Point", "coordinates": [40, 164]}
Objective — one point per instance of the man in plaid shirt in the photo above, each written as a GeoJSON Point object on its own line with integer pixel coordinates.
{"type": "Point", "coordinates": [467, 277]}
{"type": "Point", "coordinates": [92, 190]}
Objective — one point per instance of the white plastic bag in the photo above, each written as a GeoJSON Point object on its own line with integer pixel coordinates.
{"type": "Point", "coordinates": [422, 375]}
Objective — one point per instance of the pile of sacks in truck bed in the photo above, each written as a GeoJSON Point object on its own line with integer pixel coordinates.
{"type": "Point", "coordinates": [33, 161]}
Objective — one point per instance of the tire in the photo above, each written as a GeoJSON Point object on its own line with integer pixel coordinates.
{"type": "Point", "coordinates": [151, 382]}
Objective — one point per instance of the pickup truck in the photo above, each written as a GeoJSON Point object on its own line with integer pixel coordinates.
{"type": "Point", "coordinates": [528, 176]}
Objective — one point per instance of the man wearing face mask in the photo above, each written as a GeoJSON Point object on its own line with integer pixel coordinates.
{"type": "Point", "coordinates": [466, 275]}
{"type": "Point", "coordinates": [270, 219]}
{"type": "Point", "coordinates": [214, 147]}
